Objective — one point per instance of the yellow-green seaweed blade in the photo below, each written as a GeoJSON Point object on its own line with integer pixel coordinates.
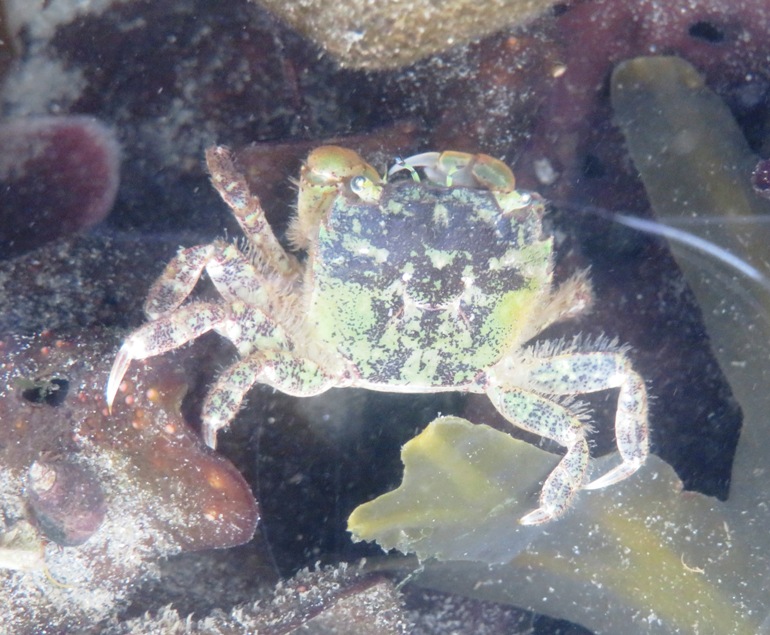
{"type": "Point", "coordinates": [464, 489]}
{"type": "Point", "coordinates": [637, 557]}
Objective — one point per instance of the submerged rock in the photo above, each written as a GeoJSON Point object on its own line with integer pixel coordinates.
{"type": "Point", "coordinates": [58, 176]}
{"type": "Point", "coordinates": [92, 499]}
{"type": "Point", "coordinates": [388, 34]}
{"type": "Point", "coordinates": [66, 501]}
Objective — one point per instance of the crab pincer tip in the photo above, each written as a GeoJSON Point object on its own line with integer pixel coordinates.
{"type": "Point", "coordinates": [119, 368]}
{"type": "Point", "coordinates": [537, 517]}
{"type": "Point", "coordinates": [210, 436]}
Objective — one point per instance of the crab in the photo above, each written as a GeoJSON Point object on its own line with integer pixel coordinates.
{"type": "Point", "coordinates": [434, 277]}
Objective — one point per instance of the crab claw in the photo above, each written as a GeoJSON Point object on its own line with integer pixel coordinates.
{"type": "Point", "coordinates": [119, 368]}
{"type": "Point", "coordinates": [427, 160]}
{"type": "Point", "coordinates": [460, 169]}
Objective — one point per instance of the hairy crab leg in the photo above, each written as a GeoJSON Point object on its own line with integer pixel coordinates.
{"type": "Point", "coordinates": [252, 329]}
{"type": "Point", "coordinates": [231, 272]}
{"type": "Point", "coordinates": [573, 297]}
{"type": "Point", "coordinates": [247, 209]}
{"type": "Point", "coordinates": [237, 279]}
{"type": "Point", "coordinates": [549, 419]}
{"type": "Point", "coordinates": [162, 335]}
{"type": "Point", "coordinates": [631, 431]}
{"type": "Point", "coordinates": [177, 280]}
{"type": "Point", "coordinates": [578, 373]}
{"type": "Point", "coordinates": [282, 370]}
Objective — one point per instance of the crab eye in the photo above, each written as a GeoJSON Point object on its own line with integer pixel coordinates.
{"type": "Point", "coordinates": [358, 184]}
{"type": "Point", "coordinates": [365, 189]}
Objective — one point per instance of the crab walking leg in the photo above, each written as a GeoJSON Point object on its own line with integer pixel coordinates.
{"type": "Point", "coordinates": [546, 418]}
{"type": "Point", "coordinates": [177, 280]}
{"type": "Point", "coordinates": [572, 298]}
{"type": "Point", "coordinates": [163, 335]}
{"type": "Point", "coordinates": [233, 275]}
{"type": "Point", "coordinates": [251, 329]}
{"type": "Point", "coordinates": [631, 432]}
{"type": "Point", "coordinates": [280, 369]}
{"type": "Point", "coordinates": [247, 209]}
{"type": "Point", "coordinates": [578, 373]}
{"type": "Point", "coordinates": [237, 279]}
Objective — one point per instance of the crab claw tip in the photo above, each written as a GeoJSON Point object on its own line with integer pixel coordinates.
{"type": "Point", "coordinates": [119, 368]}
{"type": "Point", "coordinates": [538, 517]}
{"type": "Point", "coordinates": [616, 474]}
{"type": "Point", "coordinates": [210, 436]}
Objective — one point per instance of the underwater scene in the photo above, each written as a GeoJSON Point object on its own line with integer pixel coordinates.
{"type": "Point", "coordinates": [385, 317]}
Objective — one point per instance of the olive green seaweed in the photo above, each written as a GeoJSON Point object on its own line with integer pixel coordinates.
{"type": "Point", "coordinates": [457, 474]}
{"type": "Point", "coordinates": [736, 309]}
{"type": "Point", "coordinates": [640, 556]}
{"type": "Point", "coordinates": [640, 552]}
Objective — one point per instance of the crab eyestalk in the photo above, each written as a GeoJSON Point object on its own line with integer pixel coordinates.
{"type": "Point", "coordinates": [325, 169]}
